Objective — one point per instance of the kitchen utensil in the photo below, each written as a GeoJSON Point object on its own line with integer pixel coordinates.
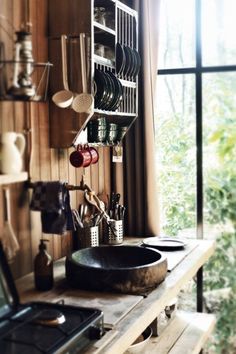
{"type": "Point", "coordinates": [135, 63]}
{"type": "Point", "coordinates": [77, 217]}
{"type": "Point", "coordinates": [64, 97]}
{"type": "Point", "coordinates": [103, 196]}
{"type": "Point", "coordinates": [164, 244]}
{"type": "Point", "coordinates": [131, 61]}
{"type": "Point", "coordinates": [81, 211]}
{"type": "Point", "coordinates": [103, 90]}
{"type": "Point", "coordinates": [114, 233]}
{"type": "Point", "coordinates": [138, 62]}
{"type": "Point", "coordinates": [81, 157]}
{"type": "Point", "coordinates": [111, 91]}
{"type": "Point", "coordinates": [8, 237]}
{"type": "Point", "coordinates": [118, 90]}
{"type": "Point", "coordinates": [111, 133]}
{"type": "Point", "coordinates": [128, 62]}
{"type": "Point", "coordinates": [94, 155]}
{"type": "Point", "coordinates": [92, 199]}
{"type": "Point", "coordinates": [120, 59]}
{"type": "Point", "coordinates": [120, 211]}
{"type": "Point", "coordinates": [88, 237]}
{"type": "Point", "coordinates": [13, 146]}
{"type": "Point", "coordinates": [83, 103]}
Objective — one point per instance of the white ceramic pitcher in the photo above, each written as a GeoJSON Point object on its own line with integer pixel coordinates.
{"type": "Point", "coordinates": [13, 146]}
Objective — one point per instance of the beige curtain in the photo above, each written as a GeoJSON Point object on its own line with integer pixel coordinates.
{"type": "Point", "coordinates": [140, 179]}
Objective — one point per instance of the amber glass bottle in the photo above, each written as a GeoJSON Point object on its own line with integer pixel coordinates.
{"type": "Point", "coordinates": [43, 268]}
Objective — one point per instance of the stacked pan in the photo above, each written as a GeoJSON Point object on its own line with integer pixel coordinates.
{"type": "Point", "coordinates": [108, 90]}
{"type": "Point", "coordinates": [128, 61]}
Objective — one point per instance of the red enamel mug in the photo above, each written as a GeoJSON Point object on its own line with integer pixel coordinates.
{"type": "Point", "coordinates": [81, 157]}
{"type": "Point", "coordinates": [94, 154]}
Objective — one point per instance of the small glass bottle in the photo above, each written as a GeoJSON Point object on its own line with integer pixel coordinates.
{"type": "Point", "coordinates": [43, 268]}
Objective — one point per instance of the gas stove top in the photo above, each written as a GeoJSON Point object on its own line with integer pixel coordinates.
{"type": "Point", "coordinates": [42, 327]}
{"type": "Point", "coordinates": [49, 328]}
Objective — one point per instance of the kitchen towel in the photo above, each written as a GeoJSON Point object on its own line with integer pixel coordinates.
{"type": "Point", "coordinates": [52, 199]}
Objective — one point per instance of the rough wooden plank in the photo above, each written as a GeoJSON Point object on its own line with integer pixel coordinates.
{"type": "Point", "coordinates": [8, 179]}
{"type": "Point", "coordinates": [187, 333]}
{"type": "Point", "coordinates": [145, 312]}
{"type": "Point", "coordinates": [134, 323]}
{"type": "Point", "coordinates": [114, 306]}
{"type": "Point", "coordinates": [173, 257]}
{"type": "Point", "coordinates": [196, 334]}
{"type": "Point", "coordinates": [169, 336]}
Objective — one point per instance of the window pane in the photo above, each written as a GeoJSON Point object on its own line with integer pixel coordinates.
{"type": "Point", "coordinates": [176, 153]}
{"type": "Point", "coordinates": [219, 103]}
{"type": "Point", "coordinates": [218, 32]}
{"type": "Point", "coordinates": [177, 28]}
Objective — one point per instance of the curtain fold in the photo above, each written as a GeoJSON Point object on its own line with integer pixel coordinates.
{"type": "Point", "coordinates": [140, 187]}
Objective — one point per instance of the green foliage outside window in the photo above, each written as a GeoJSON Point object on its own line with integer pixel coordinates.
{"type": "Point", "coordinates": [177, 179]}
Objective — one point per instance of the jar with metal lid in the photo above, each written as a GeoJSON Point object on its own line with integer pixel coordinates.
{"type": "Point", "coordinates": [100, 15]}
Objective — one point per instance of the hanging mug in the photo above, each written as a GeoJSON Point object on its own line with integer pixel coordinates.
{"type": "Point", "coordinates": [94, 154]}
{"type": "Point", "coordinates": [13, 146]}
{"type": "Point", "coordinates": [81, 157]}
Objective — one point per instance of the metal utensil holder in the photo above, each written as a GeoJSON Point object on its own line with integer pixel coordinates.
{"type": "Point", "coordinates": [88, 237]}
{"type": "Point", "coordinates": [115, 236]}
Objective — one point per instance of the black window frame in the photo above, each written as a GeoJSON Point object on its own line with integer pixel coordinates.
{"type": "Point", "coordinates": [198, 70]}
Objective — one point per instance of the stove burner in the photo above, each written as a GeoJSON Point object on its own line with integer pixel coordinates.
{"type": "Point", "coordinates": [50, 317]}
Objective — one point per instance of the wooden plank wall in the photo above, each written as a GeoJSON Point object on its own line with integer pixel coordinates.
{"type": "Point", "coordinates": [42, 162]}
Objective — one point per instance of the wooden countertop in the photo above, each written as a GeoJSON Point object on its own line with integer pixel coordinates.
{"type": "Point", "coordinates": [126, 315]}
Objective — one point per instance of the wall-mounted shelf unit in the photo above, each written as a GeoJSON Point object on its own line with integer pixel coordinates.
{"type": "Point", "coordinates": [117, 24]}
{"type": "Point", "coordinates": [16, 178]}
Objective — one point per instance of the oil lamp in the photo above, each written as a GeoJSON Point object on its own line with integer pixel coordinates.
{"type": "Point", "coordinates": [22, 85]}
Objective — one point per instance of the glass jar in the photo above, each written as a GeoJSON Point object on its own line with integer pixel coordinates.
{"type": "Point", "coordinates": [100, 15]}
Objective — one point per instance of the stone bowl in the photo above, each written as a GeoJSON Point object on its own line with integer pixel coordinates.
{"type": "Point", "coordinates": [124, 269]}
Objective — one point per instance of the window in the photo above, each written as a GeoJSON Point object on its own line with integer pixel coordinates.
{"type": "Point", "coordinates": [195, 114]}
{"type": "Point", "coordinates": [195, 134]}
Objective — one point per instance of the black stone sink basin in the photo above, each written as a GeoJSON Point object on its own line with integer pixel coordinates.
{"type": "Point", "coordinates": [125, 269]}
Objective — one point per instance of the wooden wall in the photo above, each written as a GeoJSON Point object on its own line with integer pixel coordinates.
{"type": "Point", "coordinates": [42, 162]}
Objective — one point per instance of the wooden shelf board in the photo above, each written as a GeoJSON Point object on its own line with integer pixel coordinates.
{"type": "Point", "coordinates": [186, 333]}
{"type": "Point", "coordinates": [19, 177]}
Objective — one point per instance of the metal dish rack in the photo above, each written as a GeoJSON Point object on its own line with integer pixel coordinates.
{"type": "Point", "coordinates": [126, 33]}
{"type": "Point", "coordinates": [121, 27]}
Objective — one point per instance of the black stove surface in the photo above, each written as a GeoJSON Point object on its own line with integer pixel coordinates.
{"type": "Point", "coordinates": [22, 334]}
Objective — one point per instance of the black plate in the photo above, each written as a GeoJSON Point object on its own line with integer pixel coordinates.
{"type": "Point", "coordinates": [138, 60]}
{"type": "Point", "coordinates": [118, 90]}
{"type": "Point", "coordinates": [102, 89]}
{"type": "Point", "coordinates": [131, 63]}
{"type": "Point", "coordinates": [120, 59]}
{"type": "Point", "coordinates": [135, 64]}
{"type": "Point", "coordinates": [111, 90]}
{"type": "Point", "coordinates": [128, 61]}
{"type": "Point", "coordinates": [164, 244]}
